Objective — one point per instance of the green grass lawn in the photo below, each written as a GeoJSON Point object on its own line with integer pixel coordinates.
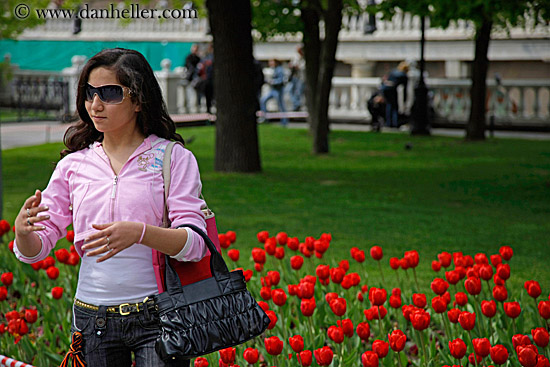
{"type": "Point", "coordinates": [441, 195]}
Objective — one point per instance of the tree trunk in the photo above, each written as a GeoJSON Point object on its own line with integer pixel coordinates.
{"type": "Point", "coordinates": [475, 130]}
{"type": "Point", "coordinates": [236, 129]}
{"type": "Point", "coordinates": [323, 56]}
{"type": "Point", "coordinates": [312, 51]}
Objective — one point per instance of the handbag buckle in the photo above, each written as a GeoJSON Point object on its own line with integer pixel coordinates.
{"type": "Point", "coordinates": [120, 309]}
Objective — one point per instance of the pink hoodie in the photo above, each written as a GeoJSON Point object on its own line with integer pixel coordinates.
{"type": "Point", "coordinates": [84, 190]}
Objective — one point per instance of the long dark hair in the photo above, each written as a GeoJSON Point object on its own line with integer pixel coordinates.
{"type": "Point", "coordinates": [134, 72]}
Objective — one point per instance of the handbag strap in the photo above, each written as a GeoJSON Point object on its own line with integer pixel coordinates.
{"type": "Point", "coordinates": [218, 268]}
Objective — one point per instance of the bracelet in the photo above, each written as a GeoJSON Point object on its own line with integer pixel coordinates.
{"type": "Point", "coordinates": [142, 233]}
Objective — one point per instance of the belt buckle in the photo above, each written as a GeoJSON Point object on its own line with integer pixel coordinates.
{"type": "Point", "coordinates": [120, 309]}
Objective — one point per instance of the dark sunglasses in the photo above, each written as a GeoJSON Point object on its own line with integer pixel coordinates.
{"type": "Point", "coordinates": [110, 94]}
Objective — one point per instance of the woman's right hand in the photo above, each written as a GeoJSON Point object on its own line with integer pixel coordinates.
{"type": "Point", "coordinates": [25, 222]}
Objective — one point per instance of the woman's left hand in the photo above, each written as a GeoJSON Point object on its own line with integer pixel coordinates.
{"type": "Point", "coordinates": [112, 238]}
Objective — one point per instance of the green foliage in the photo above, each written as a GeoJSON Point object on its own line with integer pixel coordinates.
{"type": "Point", "coordinates": [503, 14]}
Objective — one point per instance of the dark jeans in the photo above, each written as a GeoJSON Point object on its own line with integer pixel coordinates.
{"type": "Point", "coordinates": [110, 343]}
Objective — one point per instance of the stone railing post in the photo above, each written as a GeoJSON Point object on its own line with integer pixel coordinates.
{"type": "Point", "coordinates": [71, 75]}
{"type": "Point", "coordinates": [169, 82]}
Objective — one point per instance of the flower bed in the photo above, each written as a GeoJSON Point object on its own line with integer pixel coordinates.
{"type": "Point", "coordinates": [324, 311]}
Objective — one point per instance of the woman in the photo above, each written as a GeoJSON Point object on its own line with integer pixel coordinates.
{"type": "Point", "coordinates": [109, 185]}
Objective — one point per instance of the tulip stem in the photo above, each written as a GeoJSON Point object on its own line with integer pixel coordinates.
{"type": "Point", "coordinates": [445, 324]}
{"type": "Point", "coordinates": [399, 359]}
{"type": "Point", "coordinates": [424, 356]}
{"type": "Point", "coordinates": [472, 342]}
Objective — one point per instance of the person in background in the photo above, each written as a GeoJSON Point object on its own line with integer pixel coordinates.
{"type": "Point", "coordinates": [258, 81]}
{"type": "Point", "coordinates": [297, 79]}
{"type": "Point", "coordinates": [191, 73]}
{"type": "Point", "coordinates": [205, 70]}
{"type": "Point", "coordinates": [394, 79]}
{"type": "Point", "coordinates": [276, 83]}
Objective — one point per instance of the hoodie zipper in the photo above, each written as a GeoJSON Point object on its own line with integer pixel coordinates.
{"type": "Point", "coordinates": [113, 197]}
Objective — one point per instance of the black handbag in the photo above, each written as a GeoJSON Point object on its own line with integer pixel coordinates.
{"type": "Point", "coordinates": [209, 315]}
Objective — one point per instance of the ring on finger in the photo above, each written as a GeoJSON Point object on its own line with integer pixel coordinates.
{"type": "Point", "coordinates": [108, 241]}
{"type": "Point", "coordinates": [29, 212]}
{"type": "Point", "coordinates": [29, 222]}
{"type": "Point", "coordinates": [108, 248]}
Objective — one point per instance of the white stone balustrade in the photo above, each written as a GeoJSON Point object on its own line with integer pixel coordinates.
{"type": "Point", "coordinates": [514, 102]}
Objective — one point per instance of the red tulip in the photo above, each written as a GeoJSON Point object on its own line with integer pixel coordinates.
{"type": "Point", "coordinates": [452, 276]}
{"type": "Point", "coordinates": [486, 272]}
{"type": "Point", "coordinates": [412, 258]}
{"type": "Point", "coordinates": [527, 356]}
{"type": "Point", "coordinates": [224, 241]}
{"type": "Point", "coordinates": [496, 259]}
{"type": "Point", "coordinates": [306, 358]}
{"type": "Point", "coordinates": [381, 348]}
{"type": "Point", "coordinates": [323, 356]}
{"type": "Point", "coordinates": [228, 355]}
{"type": "Point", "coordinates": [397, 340]}
{"type": "Point", "coordinates": [404, 263]}
{"type": "Point", "coordinates": [457, 348]}
{"type": "Point", "coordinates": [420, 319]}
{"type": "Point", "coordinates": [293, 243]}
{"type": "Point", "coordinates": [74, 259]}
{"type": "Point", "coordinates": [377, 296]}
{"type": "Point", "coordinates": [482, 346]}
{"type": "Point", "coordinates": [282, 238]}
{"type": "Point", "coordinates": [347, 327]}
{"type": "Point", "coordinates": [503, 271]}
{"type": "Point", "coordinates": [336, 334]}
{"type": "Point", "coordinates": [461, 298]}
{"type": "Point", "coordinates": [445, 259]}
{"type": "Point", "coordinates": [70, 236]}
{"type": "Point", "coordinates": [247, 275]}
{"type": "Point", "coordinates": [453, 315]}
{"type": "Point", "coordinates": [500, 293]}
{"type": "Point", "coordinates": [275, 277]}
{"type": "Point", "coordinates": [338, 306]}
{"type": "Point", "coordinates": [306, 290]}
{"type": "Point", "coordinates": [512, 309]}
{"type": "Point", "coordinates": [394, 263]}
{"type": "Point", "coordinates": [307, 306]}
{"type": "Point", "coordinates": [273, 345]}
{"type": "Point", "coordinates": [499, 354]}
{"type": "Point", "coordinates": [296, 343]}
{"type": "Point", "coordinates": [395, 301]}
{"type": "Point", "coordinates": [473, 286]}
{"type": "Point", "coordinates": [258, 255]}
{"type": "Point", "coordinates": [279, 253]}
{"type": "Point", "coordinates": [520, 339]}
{"type": "Point", "coordinates": [7, 279]}
{"type": "Point", "coordinates": [363, 331]}
{"type": "Point", "coordinates": [57, 292]}
{"type": "Point", "coordinates": [279, 297]}
{"type": "Point", "coordinates": [506, 252]}
{"type": "Point", "coordinates": [439, 304]}
{"type": "Point", "coordinates": [369, 359]}
{"type": "Point", "coordinates": [31, 316]}
{"type": "Point", "coordinates": [540, 337]}
{"type": "Point", "coordinates": [419, 300]}
{"type": "Point", "coordinates": [542, 361]}
{"type": "Point", "coordinates": [272, 319]}
{"type": "Point", "coordinates": [436, 266]}
{"type": "Point", "coordinates": [439, 286]}
{"type": "Point", "coordinates": [52, 272]}
{"type": "Point", "coordinates": [467, 320]}
{"type": "Point", "coordinates": [337, 275]}
{"type": "Point", "coordinates": [296, 262]}
{"type": "Point", "coordinates": [251, 355]}
{"type": "Point", "coordinates": [544, 309]}
{"type": "Point", "coordinates": [270, 246]}
{"type": "Point", "coordinates": [533, 288]}
{"type": "Point", "coordinates": [263, 305]}
{"type": "Point", "coordinates": [488, 308]}
{"type": "Point", "coordinates": [359, 256]}
{"type": "Point", "coordinates": [376, 253]}
{"type": "Point", "coordinates": [200, 362]}
{"type": "Point", "coordinates": [262, 236]}
{"type": "Point", "coordinates": [233, 254]}
{"type": "Point", "coordinates": [265, 293]}
{"type": "Point", "coordinates": [62, 255]}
